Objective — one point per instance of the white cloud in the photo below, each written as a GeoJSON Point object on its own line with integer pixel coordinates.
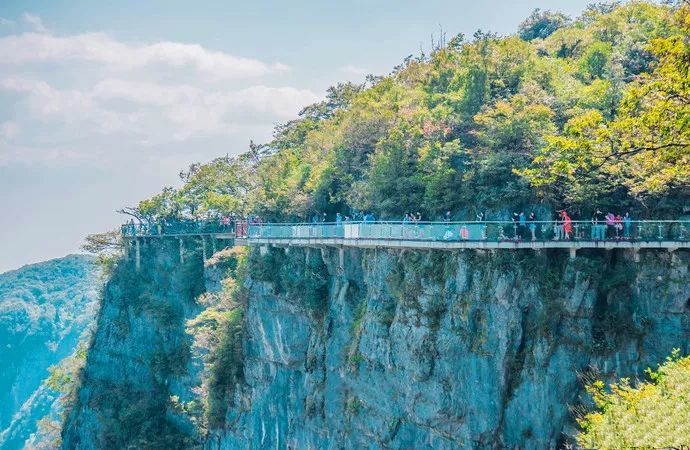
{"type": "Point", "coordinates": [35, 22]}
{"type": "Point", "coordinates": [88, 99]}
{"type": "Point", "coordinates": [5, 22]}
{"type": "Point", "coordinates": [152, 114]}
{"type": "Point", "coordinates": [99, 48]}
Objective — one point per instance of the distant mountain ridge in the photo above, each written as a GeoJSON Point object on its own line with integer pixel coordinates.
{"type": "Point", "coordinates": [44, 309]}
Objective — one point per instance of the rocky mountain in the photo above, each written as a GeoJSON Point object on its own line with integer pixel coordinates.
{"type": "Point", "coordinates": [44, 309]}
{"type": "Point", "coordinates": [374, 348]}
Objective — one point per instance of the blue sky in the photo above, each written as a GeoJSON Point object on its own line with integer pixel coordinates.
{"type": "Point", "coordinates": [102, 103]}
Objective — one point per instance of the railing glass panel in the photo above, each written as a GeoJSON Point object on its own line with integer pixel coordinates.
{"type": "Point", "coordinates": [496, 231]}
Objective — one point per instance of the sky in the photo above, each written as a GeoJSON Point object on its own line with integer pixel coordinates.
{"type": "Point", "coordinates": [103, 103]}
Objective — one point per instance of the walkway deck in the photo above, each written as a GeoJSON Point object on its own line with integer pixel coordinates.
{"type": "Point", "coordinates": [479, 245]}
{"type": "Point", "coordinates": [497, 235]}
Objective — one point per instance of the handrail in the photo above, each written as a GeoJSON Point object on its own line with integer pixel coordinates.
{"type": "Point", "coordinates": [453, 222]}
{"type": "Point", "coordinates": [471, 230]}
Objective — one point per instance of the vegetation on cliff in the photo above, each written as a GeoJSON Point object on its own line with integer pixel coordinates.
{"type": "Point", "coordinates": [594, 110]}
{"type": "Point", "coordinates": [218, 335]}
{"type": "Point", "coordinates": [654, 413]}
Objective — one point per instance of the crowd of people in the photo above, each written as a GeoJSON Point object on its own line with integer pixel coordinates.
{"type": "Point", "coordinates": [601, 226]}
{"type": "Point", "coordinates": [525, 226]}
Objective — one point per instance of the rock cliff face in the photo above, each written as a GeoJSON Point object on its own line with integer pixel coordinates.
{"type": "Point", "coordinates": [444, 350]}
{"type": "Point", "coordinates": [140, 356]}
{"type": "Point", "coordinates": [384, 349]}
{"type": "Point", "coordinates": [44, 308]}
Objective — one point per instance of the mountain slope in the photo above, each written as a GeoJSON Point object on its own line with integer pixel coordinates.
{"type": "Point", "coordinates": [44, 308]}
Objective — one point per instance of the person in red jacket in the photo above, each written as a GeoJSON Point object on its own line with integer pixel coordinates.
{"type": "Point", "coordinates": [567, 224]}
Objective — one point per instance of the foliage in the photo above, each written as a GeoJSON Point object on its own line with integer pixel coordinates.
{"type": "Point", "coordinates": [108, 248]}
{"type": "Point", "coordinates": [218, 332]}
{"type": "Point", "coordinates": [65, 377]}
{"type": "Point", "coordinates": [571, 112]}
{"type": "Point", "coordinates": [541, 24]}
{"type": "Point", "coordinates": [644, 146]}
{"type": "Point", "coordinates": [655, 413]}
{"type": "Point", "coordinates": [353, 406]}
{"type": "Point", "coordinates": [44, 308]}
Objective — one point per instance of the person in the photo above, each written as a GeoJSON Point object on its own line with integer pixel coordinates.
{"type": "Point", "coordinates": [516, 222]}
{"type": "Point", "coordinates": [447, 217]}
{"type": "Point", "coordinates": [618, 225]}
{"type": "Point", "coordinates": [315, 218]}
{"type": "Point", "coordinates": [323, 217]}
{"type": "Point", "coordinates": [598, 225]}
{"type": "Point", "coordinates": [338, 218]}
{"type": "Point", "coordinates": [523, 224]}
{"type": "Point", "coordinates": [482, 225]}
{"type": "Point", "coordinates": [532, 219]}
{"type": "Point", "coordinates": [419, 217]}
{"type": "Point", "coordinates": [406, 219]}
{"type": "Point", "coordinates": [557, 228]}
{"type": "Point", "coordinates": [627, 225]}
{"type": "Point", "coordinates": [464, 233]}
{"type": "Point", "coordinates": [610, 224]}
{"type": "Point", "coordinates": [567, 225]}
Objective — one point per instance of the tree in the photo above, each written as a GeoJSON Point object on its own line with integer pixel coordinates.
{"type": "Point", "coordinates": [645, 148]}
{"type": "Point", "coordinates": [100, 243]}
{"type": "Point", "coordinates": [653, 414]}
{"type": "Point", "coordinates": [540, 24]}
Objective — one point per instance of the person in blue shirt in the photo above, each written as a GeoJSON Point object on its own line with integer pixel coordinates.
{"type": "Point", "coordinates": [627, 225]}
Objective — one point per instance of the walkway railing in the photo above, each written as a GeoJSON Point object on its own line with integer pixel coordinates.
{"type": "Point", "coordinates": [181, 228]}
{"type": "Point", "coordinates": [495, 231]}
{"type": "Point", "coordinates": [490, 231]}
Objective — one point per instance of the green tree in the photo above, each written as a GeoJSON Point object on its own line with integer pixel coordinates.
{"type": "Point", "coordinates": [540, 24]}
{"type": "Point", "coordinates": [652, 414]}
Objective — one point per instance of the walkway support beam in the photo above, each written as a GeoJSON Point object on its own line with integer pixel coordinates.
{"type": "Point", "coordinates": [137, 262]}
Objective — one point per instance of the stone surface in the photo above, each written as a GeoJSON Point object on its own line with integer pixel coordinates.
{"type": "Point", "coordinates": [451, 350]}
{"type": "Point", "coordinates": [408, 349]}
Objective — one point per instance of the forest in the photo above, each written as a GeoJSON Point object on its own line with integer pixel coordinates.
{"type": "Point", "coordinates": [567, 113]}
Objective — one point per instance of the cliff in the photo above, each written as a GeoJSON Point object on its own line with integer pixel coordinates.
{"type": "Point", "coordinates": [139, 356]}
{"type": "Point", "coordinates": [379, 349]}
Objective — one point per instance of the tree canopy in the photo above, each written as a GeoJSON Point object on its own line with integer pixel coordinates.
{"type": "Point", "coordinates": [653, 414]}
{"type": "Point", "coordinates": [572, 113]}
